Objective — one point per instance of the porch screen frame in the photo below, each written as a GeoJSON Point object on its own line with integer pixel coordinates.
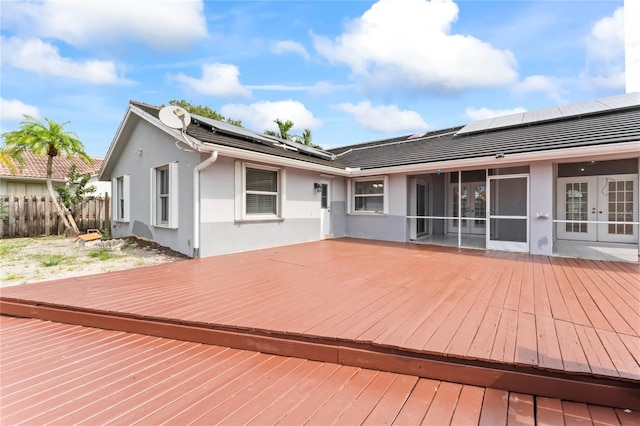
{"type": "Point", "coordinates": [508, 245]}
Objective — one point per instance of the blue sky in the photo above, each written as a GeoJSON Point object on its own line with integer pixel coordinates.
{"type": "Point", "coordinates": [351, 71]}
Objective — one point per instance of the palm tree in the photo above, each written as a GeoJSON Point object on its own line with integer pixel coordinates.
{"type": "Point", "coordinates": [283, 129]}
{"type": "Point", "coordinates": [307, 139]}
{"type": "Point", "coordinates": [48, 139]}
{"type": "Point", "coordinates": [11, 157]}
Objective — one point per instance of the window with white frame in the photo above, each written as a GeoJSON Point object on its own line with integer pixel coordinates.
{"type": "Point", "coordinates": [259, 192]}
{"type": "Point", "coordinates": [164, 195]}
{"type": "Point", "coordinates": [369, 195]}
{"type": "Point", "coordinates": [120, 200]}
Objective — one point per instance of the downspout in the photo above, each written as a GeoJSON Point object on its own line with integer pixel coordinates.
{"type": "Point", "coordinates": [196, 201]}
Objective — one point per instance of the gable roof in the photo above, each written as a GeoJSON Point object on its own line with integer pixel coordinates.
{"type": "Point", "coordinates": [35, 167]}
{"type": "Point", "coordinates": [608, 126]}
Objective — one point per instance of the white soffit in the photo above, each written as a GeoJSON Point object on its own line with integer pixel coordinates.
{"type": "Point", "coordinates": [553, 113]}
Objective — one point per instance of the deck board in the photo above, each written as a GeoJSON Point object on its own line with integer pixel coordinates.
{"type": "Point", "coordinates": [552, 314]}
{"type": "Point", "coordinates": [137, 379]}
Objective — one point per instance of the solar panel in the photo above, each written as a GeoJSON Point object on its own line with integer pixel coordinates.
{"type": "Point", "coordinates": [507, 120]}
{"type": "Point", "coordinates": [476, 126]}
{"type": "Point", "coordinates": [553, 113]}
{"type": "Point", "coordinates": [541, 115]}
{"type": "Point", "coordinates": [261, 137]}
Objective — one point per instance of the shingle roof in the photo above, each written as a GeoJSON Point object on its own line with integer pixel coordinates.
{"type": "Point", "coordinates": [616, 124]}
{"type": "Point", "coordinates": [36, 167]}
{"type": "Point", "coordinates": [245, 139]}
{"type": "Point", "coordinates": [609, 127]}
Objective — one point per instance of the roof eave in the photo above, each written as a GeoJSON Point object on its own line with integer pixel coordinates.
{"type": "Point", "coordinates": [603, 151]}
{"type": "Point", "coordinates": [242, 154]}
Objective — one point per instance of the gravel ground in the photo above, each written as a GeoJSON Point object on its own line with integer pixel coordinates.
{"type": "Point", "coordinates": [30, 260]}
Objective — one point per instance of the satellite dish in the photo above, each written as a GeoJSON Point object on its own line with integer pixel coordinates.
{"type": "Point", "coordinates": [175, 117]}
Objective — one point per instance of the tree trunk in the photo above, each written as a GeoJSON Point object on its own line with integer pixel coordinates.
{"type": "Point", "coordinates": [52, 194]}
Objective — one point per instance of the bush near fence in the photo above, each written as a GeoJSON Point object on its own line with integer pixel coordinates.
{"type": "Point", "coordinates": [35, 215]}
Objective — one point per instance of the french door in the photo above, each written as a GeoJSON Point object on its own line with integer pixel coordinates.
{"type": "Point", "coordinates": [471, 205]}
{"type": "Point", "coordinates": [612, 198]}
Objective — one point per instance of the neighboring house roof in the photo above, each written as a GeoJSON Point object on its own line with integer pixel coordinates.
{"type": "Point", "coordinates": [606, 126]}
{"type": "Point", "coordinates": [216, 132]}
{"type": "Point", "coordinates": [35, 167]}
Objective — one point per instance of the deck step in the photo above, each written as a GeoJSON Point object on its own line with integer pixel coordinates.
{"type": "Point", "coordinates": [513, 378]}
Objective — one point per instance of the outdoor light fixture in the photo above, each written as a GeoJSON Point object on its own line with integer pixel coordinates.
{"type": "Point", "coordinates": [139, 152]}
{"type": "Point", "coordinates": [317, 186]}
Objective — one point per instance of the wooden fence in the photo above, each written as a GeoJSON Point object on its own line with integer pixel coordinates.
{"type": "Point", "coordinates": [35, 215]}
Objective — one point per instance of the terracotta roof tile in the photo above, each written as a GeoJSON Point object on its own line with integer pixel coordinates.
{"type": "Point", "coordinates": [36, 167]}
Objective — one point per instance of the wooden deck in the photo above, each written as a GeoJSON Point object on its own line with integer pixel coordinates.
{"type": "Point", "coordinates": [54, 373]}
{"type": "Point", "coordinates": [530, 324]}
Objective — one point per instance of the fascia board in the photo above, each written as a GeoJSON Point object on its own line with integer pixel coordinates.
{"type": "Point", "coordinates": [107, 160]}
{"type": "Point", "coordinates": [273, 159]}
{"type": "Point", "coordinates": [29, 179]}
{"type": "Point", "coordinates": [574, 154]}
{"type": "Point", "coordinates": [131, 111]}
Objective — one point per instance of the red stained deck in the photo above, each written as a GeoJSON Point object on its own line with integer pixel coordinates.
{"type": "Point", "coordinates": [54, 373]}
{"type": "Point", "coordinates": [530, 324]}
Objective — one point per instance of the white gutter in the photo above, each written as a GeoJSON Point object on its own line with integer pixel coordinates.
{"type": "Point", "coordinates": [274, 160]}
{"type": "Point", "coordinates": [196, 201]}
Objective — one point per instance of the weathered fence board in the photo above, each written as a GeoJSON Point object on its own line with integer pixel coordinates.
{"type": "Point", "coordinates": [35, 215]}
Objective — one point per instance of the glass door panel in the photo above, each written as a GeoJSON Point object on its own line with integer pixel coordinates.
{"type": "Point", "coordinates": [577, 200]}
{"type": "Point", "coordinates": [479, 208]}
{"type": "Point", "coordinates": [617, 202]}
{"type": "Point", "coordinates": [459, 205]}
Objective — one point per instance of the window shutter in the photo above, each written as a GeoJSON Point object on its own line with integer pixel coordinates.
{"type": "Point", "coordinates": [239, 191]}
{"type": "Point", "coordinates": [127, 196]}
{"type": "Point", "coordinates": [153, 197]}
{"type": "Point", "coordinates": [282, 190]}
{"type": "Point", "coordinates": [174, 205]}
{"type": "Point", "coordinates": [114, 199]}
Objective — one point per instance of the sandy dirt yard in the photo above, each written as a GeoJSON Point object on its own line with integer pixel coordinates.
{"type": "Point", "coordinates": [30, 260]}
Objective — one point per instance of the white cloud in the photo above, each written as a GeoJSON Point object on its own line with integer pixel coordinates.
{"type": "Point", "coordinates": [383, 118]}
{"type": "Point", "coordinates": [326, 87]}
{"type": "Point", "coordinates": [609, 80]}
{"type": "Point", "coordinates": [540, 83]}
{"type": "Point", "coordinates": [14, 109]}
{"type": "Point", "coordinates": [289, 46]}
{"type": "Point", "coordinates": [164, 24]}
{"type": "Point", "coordinates": [605, 53]}
{"type": "Point", "coordinates": [279, 87]}
{"type": "Point", "coordinates": [217, 80]}
{"type": "Point", "coordinates": [260, 115]}
{"type": "Point", "coordinates": [36, 56]}
{"type": "Point", "coordinates": [606, 40]}
{"type": "Point", "coordinates": [409, 44]}
{"type": "Point", "coordinates": [484, 113]}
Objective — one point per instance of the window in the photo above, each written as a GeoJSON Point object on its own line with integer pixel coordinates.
{"type": "Point", "coordinates": [369, 195]}
{"type": "Point", "coordinates": [164, 195]}
{"type": "Point", "coordinates": [120, 200]}
{"type": "Point", "coordinates": [258, 192]}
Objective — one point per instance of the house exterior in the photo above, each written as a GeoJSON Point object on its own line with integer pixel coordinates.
{"type": "Point", "coordinates": [523, 182]}
{"type": "Point", "coordinates": [31, 178]}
